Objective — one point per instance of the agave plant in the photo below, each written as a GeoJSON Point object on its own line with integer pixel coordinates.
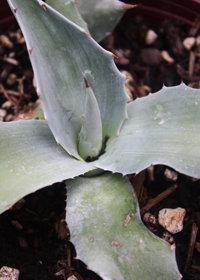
{"type": "Point", "coordinates": [91, 137]}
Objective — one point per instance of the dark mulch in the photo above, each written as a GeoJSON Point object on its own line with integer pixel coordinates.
{"type": "Point", "coordinates": [33, 235]}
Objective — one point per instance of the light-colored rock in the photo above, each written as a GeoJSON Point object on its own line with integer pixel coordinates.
{"type": "Point", "coordinates": [7, 104]}
{"type": "Point", "coordinates": [72, 278]}
{"type": "Point", "coordinates": [11, 80]}
{"type": "Point", "coordinates": [21, 41]}
{"type": "Point", "coordinates": [167, 57]}
{"type": "Point", "coordinates": [149, 218]}
{"type": "Point", "coordinates": [5, 41]}
{"type": "Point", "coordinates": [198, 40]}
{"type": "Point", "coordinates": [3, 113]}
{"type": "Point", "coordinates": [12, 54]}
{"type": "Point", "coordinates": [170, 175]}
{"type": "Point", "coordinates": [9, 118]}
{"type": "Point", "coordinates": [172, 219]}
{"type": "Point", "coordinates": [188, 43]}
{"type": "Point", "coordinates": [151, 37]}
{"type": "Point", "coordinates": [9, 273]}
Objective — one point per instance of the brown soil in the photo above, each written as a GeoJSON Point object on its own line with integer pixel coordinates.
{"type": "Point", "coordinates": [33, 234]}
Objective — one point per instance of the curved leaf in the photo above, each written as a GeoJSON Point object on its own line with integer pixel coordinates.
{"type": "Point", "coordinates": [60, 52]}
{"type": "Point", "coordinates": [163, 128]}
{"type": "Point", "coordinates": [69, 10]}
{"type": "Point", "coordinates": [105, 226]}
{"type": "Point", "coordinates": [31, 159]}
{"type": "Point", "coordinates": [101, 15]}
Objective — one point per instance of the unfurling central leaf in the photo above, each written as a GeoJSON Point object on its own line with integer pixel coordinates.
{"type": "Point", "coordinates": [62, 95]}
{"type": "Point", "coordinates": [90, 138]}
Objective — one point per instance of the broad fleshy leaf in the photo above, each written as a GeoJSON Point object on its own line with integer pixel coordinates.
{"type": "Point", "coordinates": [69, 10]}
{"type": "Point", "coordinates": [163, 128]}
{"type": "Point", "coordinates": [102, 15]}
{"type": "Point", "coordinates": [60, 52]}
{"type": "Point", "coordinates": [105, 226]}
{"type": "Point", "coordinates": [90, 140]}
{"type": "Point", "coordinates": [31, 159]}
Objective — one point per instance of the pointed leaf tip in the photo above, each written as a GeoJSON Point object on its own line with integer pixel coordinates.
{"type": "Point", "coordinates": [85, 31]}
{"type": "Point", "coordinates": [30, 50]}
{"type": "Point", "coordinates": [114, 55]}
{"type": "Point", "coordinates": [129, 6]}
{"type": "Point", "coordinates": [57, 141]}
{"type": "Point", "coordinates": [15, 10]}
{"type": "Point", "coordinates": [86, 82]}
{"type": "Point", "coordinates": [43, 6]}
